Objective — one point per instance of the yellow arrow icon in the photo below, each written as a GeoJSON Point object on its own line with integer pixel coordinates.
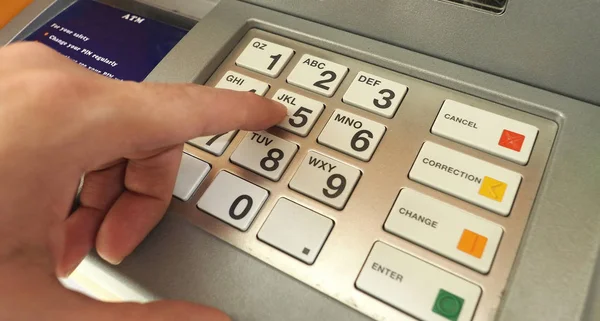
{"type": "Point", "coordinates": [492, 188]}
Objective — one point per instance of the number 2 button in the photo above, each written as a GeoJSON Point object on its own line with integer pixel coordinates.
{"type": "Point", "coordinates": [317, 75]}
{"type": "Point", "coordinates": [264, 154]}
{"type": "Point", "coordinates": [375, 94]}
{"type": "Point", "coordinates": [265, 57]}
{"type": "Point", "coordinates": [352, 134]}
{"type": "Point", "coordinates": [233, 200]}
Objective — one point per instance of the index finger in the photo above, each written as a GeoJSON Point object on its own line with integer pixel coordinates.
{"type": "Point", "coordinates": [133, 117]}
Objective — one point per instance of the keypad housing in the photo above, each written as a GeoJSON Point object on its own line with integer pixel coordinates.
{"type": "Point", "coordinates": [360, 223]}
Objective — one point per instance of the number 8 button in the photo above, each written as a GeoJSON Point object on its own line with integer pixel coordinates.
{"type": "Point", "coordinates": [264, 154]}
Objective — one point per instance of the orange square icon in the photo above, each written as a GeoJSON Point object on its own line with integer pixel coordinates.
{"type": "Point", "coordinates": [472, 243]}
{"type": "Point", "coordinates": [511, 140]}
{"type": "Point", "coordinates": [492, 188]}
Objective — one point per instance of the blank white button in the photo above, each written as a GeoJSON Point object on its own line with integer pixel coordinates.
{"type": "Point", "coordinates": [192, 172]}
{"type": "Point", "coordinates": [302, 114]}
{"type": "Point", "coordinates": [215, 144]}
{"type": "Point", "coordinates": [466, 177]}
{"type": "Point", "coordinates": [489, 132]}
{"type": "Point", "coordinates": [296, 230]}
{"type": "Point", "coordinates": [325, 179]}
{"type": "Point", "coordinates": [416, 287]}
{"type": "Point", "coordinates": [445, 229]}
{"type": "Point", "coordinates": [236, 81]}
{"type": "Point", "coordinates": [233, 200]}
{"type": "Point", "coordinates": [265, 57]}
{"type": "Point", "coordinates": [317, 75]}
{"type": "Point", "coordinates": [352, 134]}
{"type": "Point", "coordinates": [375, 94]}
{"type": "Point", "coordinates": [264, 154]}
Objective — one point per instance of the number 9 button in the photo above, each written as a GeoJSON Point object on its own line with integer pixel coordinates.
{"type": "Point", "coordinates": [325, 179]}
{"type": "Point", "coordinates": [233, 200]}
{"type": "Point", "coordinates": [375, 94]}
{"type": "Point", "coordinates": [264, 154]}
{"type": "Point", "coordinates": [352, 134]}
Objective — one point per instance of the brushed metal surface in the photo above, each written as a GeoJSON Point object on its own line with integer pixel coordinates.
{"type": "Point", "coordinates": [360, 224]}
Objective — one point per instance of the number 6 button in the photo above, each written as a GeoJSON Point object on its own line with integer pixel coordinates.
{"type": "Point", "coordinates": [375, 94]}
{"type": "Point", "coordinates": [325, 179]}
{"type": "Point", "coordinates": [317, 75]}
{"type": "Point", "coordinates": [352, 134]}
{"type": "Point", "coordinates": [264, 154]}
{"type": "Point", "coordinates": [233, 200]}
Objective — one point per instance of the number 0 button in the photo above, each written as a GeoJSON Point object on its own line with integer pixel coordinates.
{"type": "Point", "coordinates": [318, 75]}
{"type": "Point", "coordinates": [233, 200]}
{"type": "Point", "coordinates": [325, 179]}
{"type": "Point", "coordinates": [352, 134]}
{"type": "Point", "coordinates": [264, 154]}
{"type": "Point", "coordinates": [375, 94]}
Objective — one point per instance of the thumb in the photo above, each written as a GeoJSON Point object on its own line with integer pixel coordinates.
{"type": "Point", "coordinates": [31, 293]}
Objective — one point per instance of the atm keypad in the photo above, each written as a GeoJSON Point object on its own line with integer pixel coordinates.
{"type": "Point", "coordinates": [369, 168]}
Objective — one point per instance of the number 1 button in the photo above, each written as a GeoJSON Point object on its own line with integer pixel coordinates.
{"type": "Point", "coordinates": [264, 57]}
{"type": "Point", "coordinates": [317, 75]}
{"type": "Point", "coordinates": [233, 200]}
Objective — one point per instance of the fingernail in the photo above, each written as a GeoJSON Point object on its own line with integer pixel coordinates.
{"type": "Point", "coordinates": [110, 260]}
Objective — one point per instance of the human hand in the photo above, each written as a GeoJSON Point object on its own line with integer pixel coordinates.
{"type": "Point", "coordinates": [59, 121]}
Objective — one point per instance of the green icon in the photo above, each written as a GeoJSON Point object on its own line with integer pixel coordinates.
{"type": "Point", "coordinates": [448, 305]}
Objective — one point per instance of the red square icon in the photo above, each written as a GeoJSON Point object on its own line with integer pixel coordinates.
{"type": "Point", "coordinates": [511, 140]}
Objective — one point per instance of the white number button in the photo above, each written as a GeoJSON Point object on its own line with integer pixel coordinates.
{"type": "Point", "coordinates": [296, 230]}
{"type": "Point", "coordinates": [236, 81]}
{"type": "Point", "coordinates": [233, 200]}
{"type": "Point", "coordinates": [215, 144]}
{"type": "Point", "coordinates": [303, 112]}
{"type": "Point", "coordinates": [352, 134]}
{"type": "Point", "coordinates": [375, 94]}
{"type": "Point", "coordinates": [325, 179]}
{"type": "Point", "coordinates": [264, 154]}
{"type": "Point", "coordinates": [318, 75]}
{"type": "Point", "coordinates": [265, 57]}
{"type": "Point", "coordinates": [192, 172]}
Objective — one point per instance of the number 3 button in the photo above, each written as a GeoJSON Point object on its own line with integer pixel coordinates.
{"type": "Point", "coordinates": [375, 94]}
{"type": "Point", "coordinates": [233, 200]}
{"type": "Point", "coordinates": [352, 134]}
{"type": "Point", "coordinates": [264, 154]}
{"type": "Point", "coordinates": [317, 75]}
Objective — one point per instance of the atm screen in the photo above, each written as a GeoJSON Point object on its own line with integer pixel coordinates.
{"type": "Point", "coordinates": [109, 41]}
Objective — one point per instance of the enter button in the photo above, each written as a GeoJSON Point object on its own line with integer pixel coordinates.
{"type": "Point", "coordinates": [416, 287]}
